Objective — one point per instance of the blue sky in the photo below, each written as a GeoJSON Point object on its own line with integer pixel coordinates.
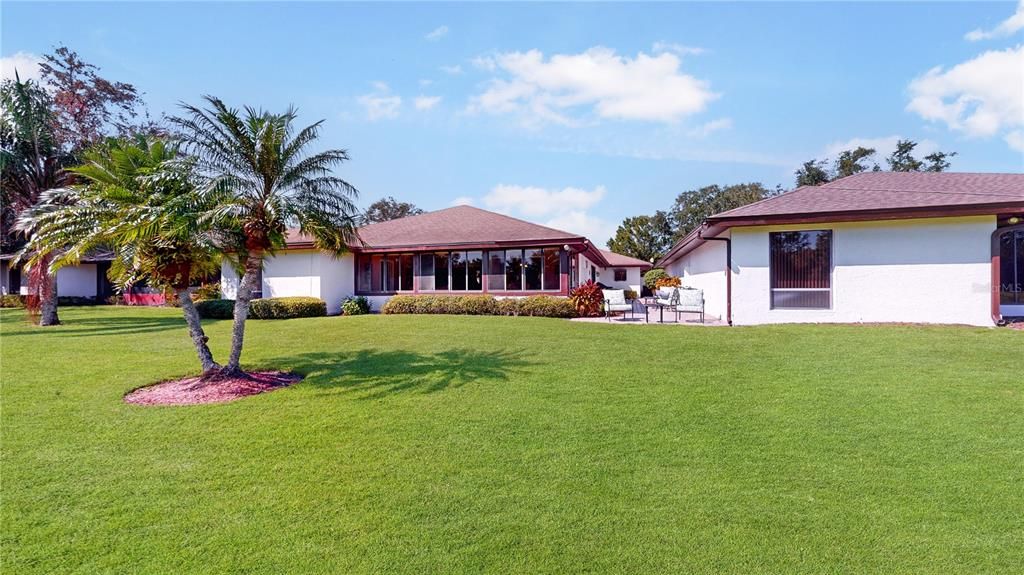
{"type": "Point", "coordinates": [575, 115]}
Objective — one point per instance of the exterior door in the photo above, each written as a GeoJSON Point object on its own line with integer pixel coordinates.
{"type": "Point", "coordinates": [1011, 273]}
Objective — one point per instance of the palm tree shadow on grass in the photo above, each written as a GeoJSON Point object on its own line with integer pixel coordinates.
{"type": "Point", "coordinates": [377, 374]}
{"type": "Point", "coordinates": [108, 325]}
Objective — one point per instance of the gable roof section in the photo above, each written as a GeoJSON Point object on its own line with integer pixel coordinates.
{"type": "Point", "coordinates": [871, 196]}
{"type": "Point", "coordinates": [620, 261]}
{"type": "Point", "coordinates": [457, 226]}
{"type": "Point", "coordinates": [454, 227]}
{"type": "Point", "coordinates": [888, 191]}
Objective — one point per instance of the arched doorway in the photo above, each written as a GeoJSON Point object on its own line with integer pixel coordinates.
{"type": "Point", "coordinates": [1008, 271]}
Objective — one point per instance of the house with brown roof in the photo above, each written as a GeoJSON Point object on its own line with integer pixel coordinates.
{"type": "Point", "coordinates": [459, 250]}
{"type": "Point", "coordinates": [872, 247]}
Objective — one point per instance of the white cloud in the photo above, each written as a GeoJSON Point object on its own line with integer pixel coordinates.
{"type": "Point", "coordinates": [535, 201]}
{"type": "Point", "coordinates": [463, 201]}
{"type": "Point", "coordinates": [884, 147]}
{"type": "Point", "coordinates": [381, 103]}
{"type": "Point", "coordinates": [711, 127]}
{"type": "Point", "coordinates": [1015, 140]}
{"type": "Point", "coordinates": [437, 33]}
{"type": "Point", "coordinates": [1006, 28]}
{"type": "Point", "coordinates": [424, 82]}
{"type": "Point", "coordinates": [647, 87]}
{"type": "Point", "coordinates": [677, 49]}
{"type": "Point", "coordinates": [452, 70]}
{"type": "Point", "coordinates": [982, 97]}
{"type": "Point", "coordinates": [484, 63]}
{"type": "Point", "coordinates": [25, 63]}
{"type": "Point", "coordinates": [597, 230]}
{"type": "Point", "coordinates": [426, 102]}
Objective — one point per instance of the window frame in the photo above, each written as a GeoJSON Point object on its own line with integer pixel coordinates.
{"type": "Point", "coordinates": [831, 273]}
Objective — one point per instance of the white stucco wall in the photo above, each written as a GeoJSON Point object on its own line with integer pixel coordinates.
{"type": "Point", "coordinates": [704, 269]}
{"type": "Point", "coordinates": [927, 270]}
{"type": "Point", "coordinates": [77, 281]}
{"type": "Point", "coordinates": [300, 273]}
{"type": "Point", "coordinates": [634, 276]}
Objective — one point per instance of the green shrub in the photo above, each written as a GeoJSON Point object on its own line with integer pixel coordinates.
{"type": "Point", "coordinates": [355, 306]}
{"type": "Point", "coordinates": [547, 306]}
{"type": "Point", "coordinates": [538, 305]}
{"type": "Point", "coordinates": [287, 307]}
{"type": "Point", "coordinates": [652, 276]}
{"type": "Point", "coordinates": [216, 308]}
{"type": "Point", "coordinates": [12, 300]}
{"type": "Point", "coordinates": [206, 291]}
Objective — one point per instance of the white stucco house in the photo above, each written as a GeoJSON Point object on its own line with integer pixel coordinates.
{"type": "Point", "coordinates": [873, 247]}
{"type": "Point", "coordinates": [457, 251]}
{"type": "Point", "coordinates": [88, 279]}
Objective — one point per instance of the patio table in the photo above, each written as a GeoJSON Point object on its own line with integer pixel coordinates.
{"type": "Point", "coordinates": [649, 302]}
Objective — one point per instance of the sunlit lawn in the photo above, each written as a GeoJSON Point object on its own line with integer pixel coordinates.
{"type": "Point", "coordinates": [438, 444]}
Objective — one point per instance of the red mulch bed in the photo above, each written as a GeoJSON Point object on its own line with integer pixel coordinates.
{"type": "Point", "coordinates": [192, 390]}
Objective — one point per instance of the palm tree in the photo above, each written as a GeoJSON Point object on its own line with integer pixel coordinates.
{"type": "Point", "coordinates": [274, 183]}
{"type": "Point", "coordinates": [137, 200]}
{"type": "Point", "coordinates": [31, 162]}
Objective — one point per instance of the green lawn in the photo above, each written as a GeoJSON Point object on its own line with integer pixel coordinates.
{"type": "Point", "coordinates": [483, 444]}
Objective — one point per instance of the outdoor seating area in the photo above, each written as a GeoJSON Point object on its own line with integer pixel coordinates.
{"type": "Point", "coordinates": [668, 305]}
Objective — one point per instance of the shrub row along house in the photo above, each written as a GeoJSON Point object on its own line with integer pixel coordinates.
{"type": "Point", "coordinates": [457, 251]}
{"type": "Point", "coordinates": [872, 247]}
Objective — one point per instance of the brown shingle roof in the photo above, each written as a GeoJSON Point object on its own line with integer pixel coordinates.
{"type": "Point", "coordinates": [889, 191]}
{"type": "Point", "coordinates": [871, 196]}
{"type": "Point", "coordinates": [459, 225]}
{"type": "Point", "coordinates": [619, 260]}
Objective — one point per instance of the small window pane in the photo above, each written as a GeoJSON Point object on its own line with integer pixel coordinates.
{"type": "Point", "coordinates": [496, 271]}
{"type": "Point", "coordinates": [364, 278]}
{"type": "Point", "coordinates": [620, 275]}
{"type": "Point", "coordinates": [441, 271]}
{"type": "Point", "coordinates": [513, 270]}
{"type": "Point", "coordinates": [406, 272]}
{"type": "Point", "coordinates": [552, 269]}
{"type": "Point", "coordinates": [533, 267]}
{"type": "Point", "coordinates": [426, 277]}
{"type": "Point", "coordinates": [458, 271]}
{"type": "Point", "coordinates": [475, 271]}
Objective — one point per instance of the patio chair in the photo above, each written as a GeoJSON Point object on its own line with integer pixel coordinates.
{"type": "Point", "coordinates": [690, 300]}
{"type": "Point", "coordinates": [615, 300]}
{"type": "Point", "coordinates": [668, 296]}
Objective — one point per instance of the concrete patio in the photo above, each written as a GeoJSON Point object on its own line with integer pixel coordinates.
{"type": "Point", "coordinates": [654, 318]}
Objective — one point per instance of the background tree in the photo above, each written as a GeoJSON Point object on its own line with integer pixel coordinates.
{"type": "Point", "coordinates": [88, 107]}
{"type": "Point", "coordinates": [272, 183]}
{"type": "Point", "coordinates": [854, 161]}
{"type": "Point", "coordinates": [903, 160]}
{"type": "Point", "coordinates": [31, 163]}
{"type": "Point", "coordinates": [813, 173]}
{"type": "Point", "coordinates": [137, 200]}
{"type": "Point", "coordinates": [389, 208]}
{"type": "Point", "coordinates": [692, 207]}
{"type": "Point", "coordinates": [643, 237]}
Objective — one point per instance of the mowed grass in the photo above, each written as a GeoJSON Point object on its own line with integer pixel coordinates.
{"type": "Point", "coordinates": [515, 445]}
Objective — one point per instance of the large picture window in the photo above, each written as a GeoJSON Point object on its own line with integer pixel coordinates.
{"type": "Point", "coordinates": [516, 270]}
{"type": "Point", "coordinates": [801, 269]}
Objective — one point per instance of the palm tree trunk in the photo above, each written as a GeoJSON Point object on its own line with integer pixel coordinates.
{"type": "Point", "coordinates": [47, 294]}
{"type": "Point", "coordinates": [195, 329]}
{"type": "Point", "coordinates": [253, 265]}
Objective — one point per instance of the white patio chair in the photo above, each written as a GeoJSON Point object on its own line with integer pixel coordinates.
{"type": "Point", "coordinates": [690, 300]}
{"type": "Point", "coordinates": [615, 300]}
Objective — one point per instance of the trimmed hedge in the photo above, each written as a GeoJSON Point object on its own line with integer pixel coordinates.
{"type": "Point", "coordinates": [216, 308]}
{"type": "Point", "coordinates": [538, 306]}
{"type": "Point", "coordinates": [287, 307]}
{"type": "Point", "coordinates": [265, 308]}
{"type": "Point", "coordinates": [12, 300]}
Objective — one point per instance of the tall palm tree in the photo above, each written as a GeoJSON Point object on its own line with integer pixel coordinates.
{"type": "Point", "coordinates": [137, 199]}
{"type": "Point", "coordinates": [274, 183]}
{"type": "Point", "coordinates": [31, 162]}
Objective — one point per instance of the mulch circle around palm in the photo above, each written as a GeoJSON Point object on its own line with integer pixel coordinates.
{"type": "Point", "coordinates": [195, 390]}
